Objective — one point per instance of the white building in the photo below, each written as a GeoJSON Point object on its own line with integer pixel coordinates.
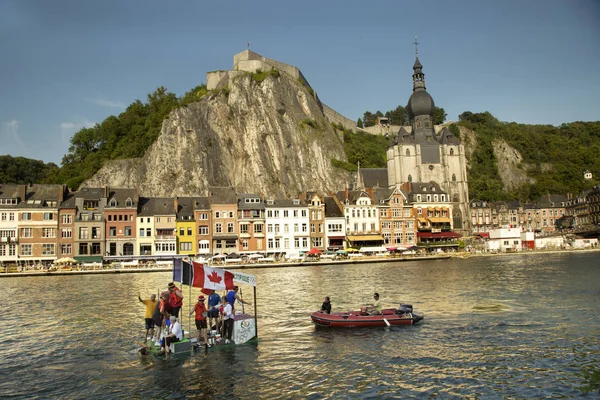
{"type": "Point", "coordinates": [504, 239]}
{"type": "Point", "coordinates": [335, 224]}
{"type": "Point", "coordinates": [10, 196]}
{"type": "Point", "coordinates": [287, 227]}
{"type": "Point", "coordinates": [362, 218]}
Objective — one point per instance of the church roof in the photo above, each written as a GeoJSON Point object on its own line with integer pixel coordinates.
{"type": "Point", "coordinates": [374, 177]}
{"type": "Point", "coordinates": [447, 137]}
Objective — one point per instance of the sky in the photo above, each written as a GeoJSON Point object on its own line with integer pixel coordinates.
{"type": "Point", "coordinates": [66, 65]}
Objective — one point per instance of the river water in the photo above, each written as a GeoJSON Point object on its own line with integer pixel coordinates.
{"type": "Point", "coordinates": [518, 326]}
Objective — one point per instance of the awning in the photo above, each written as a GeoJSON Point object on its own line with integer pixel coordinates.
{"type": "Point", "coordinates": [379, 249]}
{"type": "Point", "coordinates": [364, 238]}
{"type": "Point", "coordinates": [337, 237]}
{"type": "Point", "coordinates": [439, 235]}
{"type": "Point", "coordinates": [88, 258]}
{"type": "Point", "coordinates": [439, 219]}
{"type": "Point", "coordinates": [422, 220]}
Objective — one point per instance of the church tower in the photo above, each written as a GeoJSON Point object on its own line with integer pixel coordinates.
{"type": "Point", "coordinates": [418, 154]}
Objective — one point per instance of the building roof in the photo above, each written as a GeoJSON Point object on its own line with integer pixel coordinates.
{"type": "Point", "coordinates": [150, 206]}
{"type": "Point", "coordinates": [185, 208]}
{"type": "Point", "coordinates": [201, 203]}
{"type": "Point", "coordinates": [332, 209]}
{"type": "Point", "coordinates": [222, 195]}
{"type": "Point", "coordinates": [284, 203]}
{"type": "Point", "coordinates": [552, 200]}
{"type": "Point", "coordinates": [38, 195]}
{"type": "Point", "coordinates": [10, 191]}
{"type": "Point", "coordinates": [374, 177]}
{"type": "Point", "coordinates": [121, 196]}
{"type": "Point", "coordinates": [250, 202]}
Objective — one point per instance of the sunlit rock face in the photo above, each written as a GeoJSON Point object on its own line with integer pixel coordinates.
{"type": "Point", "coordinates": [267, 137]}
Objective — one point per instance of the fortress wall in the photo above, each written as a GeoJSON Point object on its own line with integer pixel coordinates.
{"type": "Point", "coordinates": [337, 118]}
{"type": "Point", "coordinates": [217, 79]}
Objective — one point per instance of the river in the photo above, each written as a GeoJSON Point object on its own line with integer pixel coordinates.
{"type": "Point", "coordinates": [518, 326]}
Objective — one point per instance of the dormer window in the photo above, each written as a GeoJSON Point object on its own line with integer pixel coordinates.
{"type": "Point", "coordinates": [296, 202]}
{"type": "Point", "coordinates": [128, 203]}
{"type": "Point", "coordinates": [270, 202]}
{"type": "Point", "coordinates": [112, 203]}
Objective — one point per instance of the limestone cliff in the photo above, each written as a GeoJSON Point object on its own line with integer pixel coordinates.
{"type": "Point", "coordinates": [268, 136]}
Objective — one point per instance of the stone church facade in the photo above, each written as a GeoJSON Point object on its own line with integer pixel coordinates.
{"type": "Point", "coordinates": [425, 153]}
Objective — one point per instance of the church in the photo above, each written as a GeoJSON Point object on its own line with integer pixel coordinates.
{"type": "Point", "coordinates": [423, 153]}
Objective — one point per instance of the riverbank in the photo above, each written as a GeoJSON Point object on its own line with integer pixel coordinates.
{"type": "Point", "coordinates": [133, 270]}
{"type": "Point", "coordinates": [349, 261]}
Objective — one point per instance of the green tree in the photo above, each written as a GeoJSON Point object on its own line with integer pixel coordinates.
{"type": "Point", "coordinates": [439, 116]}
{"type": "Point", "coordinates": [359, 123]}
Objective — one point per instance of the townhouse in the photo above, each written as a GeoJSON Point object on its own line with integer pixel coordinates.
{"type": "Point", "coordinates": [223, 207]}
{"type": "Point", "coordinates": [335, 224]}
{"type": "Point", "coordinates": [287, 227]}
{"type": "Point", "coordinates": [203, 218]}
{"type": "Point", "coordinates": [10, 196]}
{"type": "Point", "coordinates": [120, 215]}
{"type": "Point", "coordinates": [251, 223]}
{"type": "Point", "coordinates": [316, 213]}
{"type": "Point", "coordinates": [186, 226]}
{"type": "Point", "coordinates": [362, 218]}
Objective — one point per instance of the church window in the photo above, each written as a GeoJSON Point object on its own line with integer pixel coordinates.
{"type": "Point", "coordinates": [443, 198]}
{"type": "Point", "coordinates": [426, 124]}
{"type": "Point", "coordinates": [453, 177]}
{"type": "Point", "coordinates": [410, 178]}
{"type": "Point", "coordinates": [418, 124]}
{"type": "Point", "coordinates": [408, 152]}
{"type": "Point", "coordinates": [451, 151]}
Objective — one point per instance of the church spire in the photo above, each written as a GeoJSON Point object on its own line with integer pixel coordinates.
{"type": "Point", "coordinates": [418, 75]}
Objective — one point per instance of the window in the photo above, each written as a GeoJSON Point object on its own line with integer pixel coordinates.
{"type": "Point", "coordinates": [286, 243]}
{"type": "Point", "coordinates": [26, 216]}
{"type": "Point", "coordinates": [66, 233]}
{"type": "Point", "coordinates": [112, 231]}
{"type": "Point", "coordinates": [285, 213]}
{"type": "Point", "coordinates": [453, 177]}
{"type": "Point", "coordinates": [26, 232]}
{"type": "Point", "coordinates": [142, 232]}
{"type": "Point", "coordinates": [407, 152]}
{"type": "Point", "coordinates": [128, 203]}
{"type": "Point", "coordinates": [203, 230]}
{"type": "Point", "coordinates": [218, 228]}
{"type": "Point", "coordinates": [203, 216]}
{"type": "Point", "coordinates": [244, 244]}
{"type": "Point", "coordinates": [25, 249]}
{"type": "Point", "coordinates": [203, 245]}
{"type": "Point", "coordinates": [296, 243]}
{"type": "Point", "coordinates": [48, 217]}
{"type": "Point", "coordinates": [127, 231]}
{"type": "Point", "coordinates": [96, 217]}
{"type": "Point", "coordinates": [451, 151]}
{"type": "Point", "coordinates": [258, 228]}
{"type": "Point", "coordinates": [185, 246]}
{"type": "Point", "coordinates": [230, 227]}
{"type": "Point", "coordinates": [181, 232]}
{"type": "Point", "coordinates": [67, 219]}
{"type": "Point", "coordinates": [304, 228]}
{"type": "Point", "coordinates": [48, 232]}
{"type": "Point", "coordinates": [244, 228]}
{"type": "Point", "coordinates": [304, 213]}
{"type": "Point", "coordinates": [83, 233]}
{"type": "Point", "coordinates": [47, 249]}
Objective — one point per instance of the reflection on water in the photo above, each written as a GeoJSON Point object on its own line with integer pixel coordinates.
{"type": "Point", "coordinates": [522, 326]}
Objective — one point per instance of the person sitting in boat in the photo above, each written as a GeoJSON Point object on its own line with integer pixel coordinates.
{"type": "Point", "coordinates": [174, 336]}
{"type": "Point", "coordinates": [214, 300]}
{"type": "Point", "coordinates": [377, 304]}
{"type": "Point", "coordinates": [326, 306]}
{"type": "Point", "coordinates": [150, 306]}
{"type": "Point", "coordinates": [200, 318]}
{"type": "Point", "coordinates": [175, 299]}
{"type": "Point", "coordinates": [233, 295]}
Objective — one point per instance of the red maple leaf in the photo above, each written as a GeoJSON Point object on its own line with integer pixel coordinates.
{"type": "Point", "coordinates": [214, 277]}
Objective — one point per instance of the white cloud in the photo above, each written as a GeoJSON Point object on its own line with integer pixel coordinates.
{"type": "Point", "coordinates": [104, 102]}
{"type": "Point", "coordinates": [12, 129]}
{"type": "Point", "coordinates": [67, 129]}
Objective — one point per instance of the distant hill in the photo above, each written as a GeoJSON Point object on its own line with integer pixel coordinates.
{"type": "Point", "coordinates": [23, 170]}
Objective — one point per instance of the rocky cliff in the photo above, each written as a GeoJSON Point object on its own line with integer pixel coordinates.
{"type": "Point", "coordinates": [260, 136]}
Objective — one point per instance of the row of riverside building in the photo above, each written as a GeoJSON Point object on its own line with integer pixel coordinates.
{"type": "Point", "coordinates": [42, 223]}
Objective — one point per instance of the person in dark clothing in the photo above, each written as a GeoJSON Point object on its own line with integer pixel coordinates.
{"type": "Point", "coordinates": [326, 306]}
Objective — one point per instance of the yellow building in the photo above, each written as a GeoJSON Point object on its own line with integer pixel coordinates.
{"type": "Point", "coordinates": [186, 226]}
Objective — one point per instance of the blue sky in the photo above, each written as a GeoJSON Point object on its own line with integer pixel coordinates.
{"type": "Point", "coordinates": [70, 64]}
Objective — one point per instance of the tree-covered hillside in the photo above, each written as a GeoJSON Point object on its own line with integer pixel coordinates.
{"type": "Point", "coordinates": [556, 156]}
{"type": "Point", "coordinates": [23, 170]}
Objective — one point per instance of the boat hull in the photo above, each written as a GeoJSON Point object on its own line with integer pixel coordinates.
{"type": "Point", "coordinates": [358, 319]}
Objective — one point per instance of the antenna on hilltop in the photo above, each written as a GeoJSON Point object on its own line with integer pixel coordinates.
{"type": "Point", "coordinates": [416, 46]}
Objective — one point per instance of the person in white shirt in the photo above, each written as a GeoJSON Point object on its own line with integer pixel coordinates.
{"type": "Point", "coordinates": [227, 320]}
{"type": "Point", "coordinates": [174, 336]}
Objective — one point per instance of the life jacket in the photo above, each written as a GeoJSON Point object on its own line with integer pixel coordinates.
{"type": "Point", "coordinates": [200, 310]}
{"type": "Point", "coordinates": [174, 300]}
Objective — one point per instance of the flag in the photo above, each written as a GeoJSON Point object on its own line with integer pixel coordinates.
{"type": "Point", "coordinates": [177, 270]}
{"type": "Point", "coordinates": [212, 278]}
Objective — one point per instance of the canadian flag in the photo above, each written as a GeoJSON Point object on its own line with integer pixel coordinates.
{"type": "Point", "coordinates": [212, 278]}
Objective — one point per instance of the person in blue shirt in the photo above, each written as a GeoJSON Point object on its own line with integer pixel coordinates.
{"type": "Point", "coordinates": [214, 300]}
{"type": "Point", "coordinates": [233, 295]}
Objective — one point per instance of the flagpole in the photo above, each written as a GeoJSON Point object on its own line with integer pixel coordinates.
{"type": "Point", "coordinates": [255, 315]}
{"type": "Point", "coordinates": [190, 305]}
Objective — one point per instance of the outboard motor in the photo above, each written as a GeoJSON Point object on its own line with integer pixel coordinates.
{"type": "Point", "coordinates": [405, 309]}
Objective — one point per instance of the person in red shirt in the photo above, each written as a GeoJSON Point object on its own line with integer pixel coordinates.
{"type": "Point", "coordinates": [200, 310]}
{"type": "Point", "coordinates": [175, 299]}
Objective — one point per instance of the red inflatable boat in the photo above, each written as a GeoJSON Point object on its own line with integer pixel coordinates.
{"type": "Point", "coordinates": [364, 319]}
